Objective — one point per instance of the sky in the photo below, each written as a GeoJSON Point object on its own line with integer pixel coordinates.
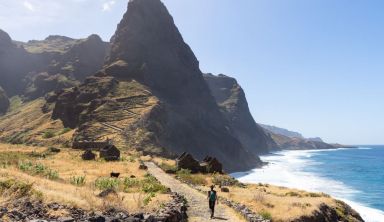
{"type": "Point", "coordinates": [316, 67]}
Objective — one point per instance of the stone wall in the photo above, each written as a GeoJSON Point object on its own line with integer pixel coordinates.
{"type": "Point", "coordinates": [85, 145]}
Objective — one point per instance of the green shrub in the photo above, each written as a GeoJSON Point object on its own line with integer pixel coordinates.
{"type": "Point", "coordinates": [78, 180]}
{"type": "Point", "coordinates": [38, 169]}
{"type": "Point", "coordinates": [11, 158]}
{"type": "Point", "coordinates": [168, 168]}
{"type": "Point", "coordinates": [151, 185]}
{"type": "Point", "coordinates": [48, 134]}
{"type": "Point", "coordinates": [224, 180]}
{"type": "Point", "coordinates": [186, 176]}
{"type": "Point", "coordinates": [293, 194]}
{"type": "Point", "coordinates": [314, 195]}
{"type": "Point", "coordinates": [65, 130]}
{"type": "Point", "coordinates": [104, 183]}
{"type": "Point", "coordinates": [52, 174]}
{"type": "Point", "coordinates": [148, 198]}
{"type": "Point", "coordinates": [266, 215]}
{"type": "Point", "coordinates": [131, 183]}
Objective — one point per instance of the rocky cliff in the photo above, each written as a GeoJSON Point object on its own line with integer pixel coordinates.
{"type": "Point", "coordinates": [4, 101]}
{"type": "Point", "coordinates": [34, 68]}
{"type": "Point", "coordinates": [233, 104]}
{"type": "Point", "coordinates": [289, 140]}
{"type": "Point", "coordinates": [153, 95]}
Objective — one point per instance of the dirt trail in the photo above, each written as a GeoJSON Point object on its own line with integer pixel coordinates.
{"type": "Point", "coordinates": [198, 210]}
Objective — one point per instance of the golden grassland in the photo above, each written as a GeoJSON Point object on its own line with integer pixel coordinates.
{"type": "Point", "coordinates": [72, 181]}
{"type": "Point", "coordinates": [272, 202]}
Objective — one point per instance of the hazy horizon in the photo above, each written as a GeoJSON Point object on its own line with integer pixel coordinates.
{"type": "Point", "coordinates": [314, 67]}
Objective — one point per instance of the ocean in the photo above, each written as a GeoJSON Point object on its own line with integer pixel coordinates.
{"type": "Point", "coordinates": [354, 175]}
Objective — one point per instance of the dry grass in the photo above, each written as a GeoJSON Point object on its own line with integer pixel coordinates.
{"type": "Point", "coordinates": [69, 164]}
{"type": "Point", "coordinates": [283, 204]}
{"type": "Point", "coordinates": [27, 124]}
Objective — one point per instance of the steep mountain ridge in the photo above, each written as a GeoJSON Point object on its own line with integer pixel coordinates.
{"type": "Point", "coordinates": [231, 98]}
{"type": "Point", "coordinates": [175, 111]}
{"type": "Point", "coordinates": [27, 68]}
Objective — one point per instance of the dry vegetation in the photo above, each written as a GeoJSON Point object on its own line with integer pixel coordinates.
{"type": "Point", "coordinates": [64, 178]}
{"type": "Point", "coordinates": [272, 202]}
{"type": "Point", "coordinates": [26, 123]}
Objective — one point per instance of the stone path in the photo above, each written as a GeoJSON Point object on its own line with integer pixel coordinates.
{"type": "Point", "coordinates": [198, 210]}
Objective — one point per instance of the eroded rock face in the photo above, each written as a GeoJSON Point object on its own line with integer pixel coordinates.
{"type": "Point", "coordinates": [231, 98]}
{"type": "Point", "coordinates": [4, 101]}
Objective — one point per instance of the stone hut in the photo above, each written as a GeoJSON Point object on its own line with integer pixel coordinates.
{"type": "Point", "coordinates": [110, 153]}
{"type": "Point", "coordinates": [186, 161]}
{"type": "Point", "coordinates": [211, 165]}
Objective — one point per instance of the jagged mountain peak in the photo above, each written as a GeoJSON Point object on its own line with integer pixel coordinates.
{"type": "Point", "coordinates": [148, 40]}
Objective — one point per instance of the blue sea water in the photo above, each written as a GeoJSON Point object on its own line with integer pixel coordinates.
{"type": "Point", "coordinates": [355, 176]}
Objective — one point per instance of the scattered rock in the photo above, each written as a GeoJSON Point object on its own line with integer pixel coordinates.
{"type": "Point", "coordinates": [115, 175]}
{"type": "Point", "coordinates": [110, 153]}
{"type": "Point", "coordinates": [107, 192]}
{"type": "Point", "coordinates": [88, 155]}
{"type": "Point", "coordinates": [53, 150]}
{"type": "Point", "coordinates": [66, 219]}
{"type": "Point", "coordinates": [143, 167]}
{"type": "Point", "coordinates": [225, 189]}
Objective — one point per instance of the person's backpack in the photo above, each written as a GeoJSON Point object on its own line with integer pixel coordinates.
{"type": "Point", "coordinates": [212, 196]}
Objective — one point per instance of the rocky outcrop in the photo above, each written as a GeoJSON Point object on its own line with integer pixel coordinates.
{"type": "Point", "coordinates": [4, 101]}
{"type": "Point", "coordinates": [231, 98]}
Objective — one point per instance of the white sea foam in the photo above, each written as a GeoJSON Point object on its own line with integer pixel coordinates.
{"type": "Point", "coordinates": [287, 169]}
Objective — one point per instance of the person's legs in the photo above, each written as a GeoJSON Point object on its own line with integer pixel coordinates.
{"type": "Point", "coordinates": [212, 208]}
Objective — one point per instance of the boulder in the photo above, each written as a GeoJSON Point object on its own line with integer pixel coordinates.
{"type": "Point", "coordinates": [211, 165]}
{"type": "Point", "coordinates": [187, 161]}
{"type": "Point", "coordinates": [110, 153]}
{"type": "Point", "coordinates": [225, 189]}
{"type": "Point", "coordinates": [143, 167]}
{"type": "Point", "coordinates": [88, 155]}
{"type": "Point", "coordinates": [107, 192]}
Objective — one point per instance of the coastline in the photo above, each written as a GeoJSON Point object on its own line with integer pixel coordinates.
{"type": "Point", "coordinates": [289, 169]}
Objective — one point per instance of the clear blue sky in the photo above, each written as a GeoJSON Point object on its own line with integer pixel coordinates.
{"type": "Point", "coordinates": [314, 66]}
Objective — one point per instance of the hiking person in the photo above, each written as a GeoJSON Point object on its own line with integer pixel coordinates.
{"type": "Point", "coordinates": [212, 198]}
